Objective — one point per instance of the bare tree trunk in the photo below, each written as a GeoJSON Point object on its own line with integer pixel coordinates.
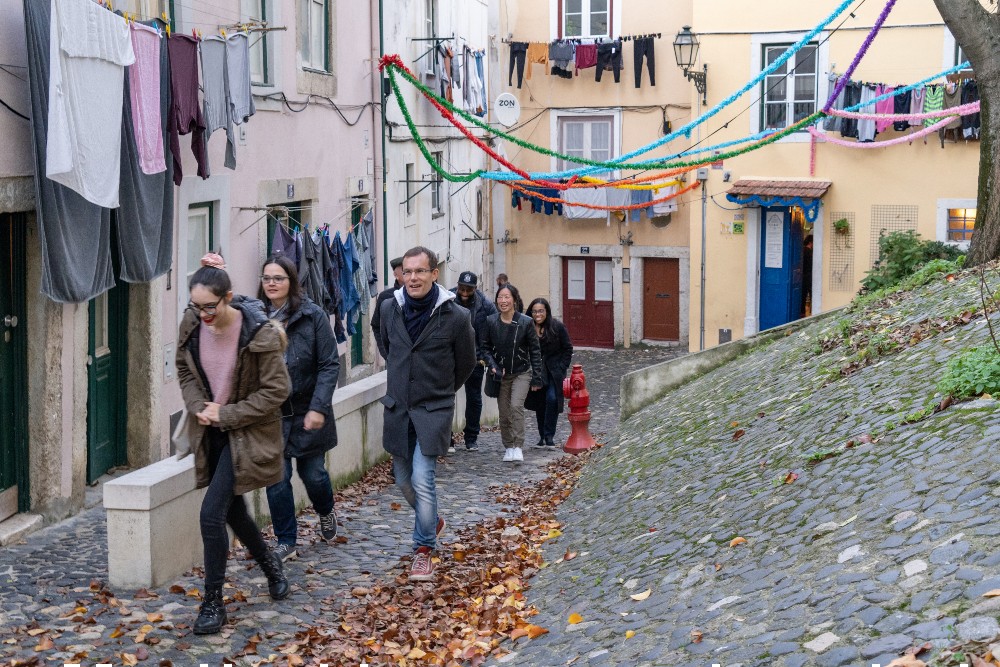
{"type": "Point", "coordinates": [977, 29]}
{"type": "Point", "coordinates": [985, 244]}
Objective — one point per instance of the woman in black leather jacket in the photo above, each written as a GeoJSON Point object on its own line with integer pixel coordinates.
{"type": "Point", "coordinates": [509, 345]}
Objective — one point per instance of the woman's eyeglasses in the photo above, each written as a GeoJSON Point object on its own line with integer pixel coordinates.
{"type": "Point", "coordinates": [273, 279]}
{"type": "Point", "coordinates": [208, 309]}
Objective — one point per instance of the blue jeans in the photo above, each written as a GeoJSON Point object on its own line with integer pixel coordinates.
{"type": "Point", "coordinates": [548, 419]}
{"type": "Point", "coordinates": [473, 404]}
{"type": "Point", "coordinates": [281, 501]}
{"type": "Point", "coordinates": [415, 479]}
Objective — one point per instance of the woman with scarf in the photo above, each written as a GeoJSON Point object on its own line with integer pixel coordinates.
{"type": "Point", "coordinates": [307, 421]}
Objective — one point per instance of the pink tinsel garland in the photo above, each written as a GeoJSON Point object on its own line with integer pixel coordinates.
{"type": "Point", "coordinates": [963, 110]}
{"type": "Point", "coordinates": [906, 138]}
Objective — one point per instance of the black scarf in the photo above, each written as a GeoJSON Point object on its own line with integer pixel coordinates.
{"type": "Point", "coordinates": [417, 312]}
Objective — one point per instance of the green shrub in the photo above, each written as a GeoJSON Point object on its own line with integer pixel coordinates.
{"type": "Point", "coordinates": [972, 373]}
{"type": "Point", "coordinates": [900, 254]}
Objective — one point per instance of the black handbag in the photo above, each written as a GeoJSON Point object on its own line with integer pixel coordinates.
{"type": "Point", "coordinates": [492, 386]}
{"type": "Point", "coordinates": [535, 400]}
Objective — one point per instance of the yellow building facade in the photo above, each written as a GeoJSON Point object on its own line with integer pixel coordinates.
{"type": "Point", "coordinates": [624, 282]}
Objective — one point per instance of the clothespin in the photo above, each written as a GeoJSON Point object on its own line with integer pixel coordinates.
{"type": "Point", "coordinates": [223, 31]}
{"type": "Point", "coordinates": [168, 29]}
{"type": "Point", "coordinates": [194, 33]}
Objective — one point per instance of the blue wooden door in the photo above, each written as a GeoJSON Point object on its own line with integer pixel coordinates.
{"type": "Point", "coordinates": [780, 268]}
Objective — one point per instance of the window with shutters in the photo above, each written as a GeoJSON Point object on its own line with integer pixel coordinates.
{"type": "Point", "coordinates": [589, 137]}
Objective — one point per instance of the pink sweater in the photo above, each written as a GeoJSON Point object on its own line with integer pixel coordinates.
{"type": "Point", "coordinates": [217, 352]}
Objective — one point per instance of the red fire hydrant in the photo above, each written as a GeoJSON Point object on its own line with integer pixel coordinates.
{"type": "Point", "coordinates": [575, 389]}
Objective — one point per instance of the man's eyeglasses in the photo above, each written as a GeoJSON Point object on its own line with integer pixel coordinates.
{"type": "Point", "coordinates": [273, 279]}
{"type": "Point", "coordinates": [419, 272]}
{"type": "Point", "coordinates": [208, 309]}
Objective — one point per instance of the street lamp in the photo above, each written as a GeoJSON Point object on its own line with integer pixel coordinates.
{"type": "Point", "coordinates": [686, 46]}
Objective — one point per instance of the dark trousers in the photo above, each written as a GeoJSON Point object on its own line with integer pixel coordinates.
{"type": "Point", "coordinates": [644, 47]}
{"type": "Point", "coordinates": [473, 404]}
{"type": "Point", "coordinates": [518, 51]}
{"type": "Point", "coordinates": [609, 55]}
{"type": "Point", "coordinates": [548, 418]}
{"type": "Point", "coordinates": [220, 507]}
{"type": "Point", "coordinates": [281, 499]}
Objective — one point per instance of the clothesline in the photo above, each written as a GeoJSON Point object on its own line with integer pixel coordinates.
{"type": "Point", "coordinates": [585, 40]}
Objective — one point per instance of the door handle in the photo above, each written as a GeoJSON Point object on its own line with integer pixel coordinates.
{"type": "Point", "coordinates": [10, 321]}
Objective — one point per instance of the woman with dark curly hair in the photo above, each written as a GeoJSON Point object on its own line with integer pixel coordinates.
{"type": "Point", "coordinates": [557, 354]}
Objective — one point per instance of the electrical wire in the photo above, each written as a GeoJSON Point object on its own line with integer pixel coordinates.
{"type": "Point", "coordinates": [13, 110]}
{"type": "Point", "coordinates": [326, 102]}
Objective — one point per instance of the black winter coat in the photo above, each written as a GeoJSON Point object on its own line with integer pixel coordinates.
{"type": "Point", "coordinates": [480, 309]}
{"type": "Point", "coordinates": [314, 367]}
{"type": "Point", "coordinates": [512, 354]}
{"type": "Point", "coordinates": [557, 355]}
{"type": "Point", "coordinates": [383, 296]}
{"type": "Point", "coordinates": [423, 375]}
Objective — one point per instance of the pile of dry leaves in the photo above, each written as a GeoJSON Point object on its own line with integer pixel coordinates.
{"type": "Point", "coordinates": [476, 602]}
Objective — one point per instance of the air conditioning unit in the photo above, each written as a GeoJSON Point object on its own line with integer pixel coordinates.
{"type": "Point", "coordinates": [359, 186]}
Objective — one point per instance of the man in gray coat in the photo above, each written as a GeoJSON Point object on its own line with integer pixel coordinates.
{"type": "Point", "coordinates": [430, 352]}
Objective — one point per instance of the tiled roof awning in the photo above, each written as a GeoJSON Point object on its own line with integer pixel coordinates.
{"type": "Point", "coordinates": [784, 189]}
{"type": "Point", "coordinates": [767, 193]}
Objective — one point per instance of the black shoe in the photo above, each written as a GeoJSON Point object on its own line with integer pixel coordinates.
{"type": "Point", "coordinates": [277, 583]}
{"type": "Point", "coordinates": [212, 616]}
{"type": "Point", "coordinates": [541, 442]}
{"type": "Point", "coordinates": [471, 445]}
{"type": "Point", "coordinates": [328, 527]}
{"type": "Point", "coordinates": [549, 442]}
{"type": "Point", "coordinates": [285, 552]}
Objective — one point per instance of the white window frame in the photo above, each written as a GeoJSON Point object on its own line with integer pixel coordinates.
{"type": "Point", "coordinates": [260, 43]}
{"type": "Point", "coordinates": [941, 229]}
{"type": "Point", "coordinates": [307, 25]}
{"type": "Point", "coordinates": [204, 245]}
{"type": "Point", "coordinates": [757, 44]}
{"type": "Point", "coordinates": [430, 20]}
{"type": "Point", "coordinates": [559, 119]}
{"type": "Point", "coordinates": [145, 9]}
{"type": "Point", "coordinates": [586, 16]}
{"type": "Point", "coordinates": [556, 21]}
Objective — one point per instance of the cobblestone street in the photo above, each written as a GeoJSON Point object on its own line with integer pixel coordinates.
{"type": "Point", "coordinates": [48, 577]}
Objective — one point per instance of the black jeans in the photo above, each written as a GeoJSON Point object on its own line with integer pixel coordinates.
{"type": "Point", "coordinates": [473, 404]}
{"type": "Point", "coordinates": [609, 54]}
{"type": "Point", "coordinates": [518, 51]}
{"type": "Point", "coordinates": [220, 507]}
{"type": "Point", "coordinates": [548, 419]}
{"type": "Point", "coordinates": [644, 47]}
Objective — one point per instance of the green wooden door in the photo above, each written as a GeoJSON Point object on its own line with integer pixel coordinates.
{"type": "Point", "coordinates": [107, 382]}
{"type": "Point", "coordinates": [13, 356]}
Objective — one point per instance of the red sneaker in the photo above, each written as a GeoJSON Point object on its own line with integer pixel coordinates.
{"type": "Point", "coordinates": [422, 568]}
{"type": "Point", "coordinates": [440, 526]}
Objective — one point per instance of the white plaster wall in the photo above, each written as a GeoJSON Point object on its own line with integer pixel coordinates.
{"type": "Point", "coordinates": [462, 22]}
{"type": "Point", "coordinates": [15, 154]}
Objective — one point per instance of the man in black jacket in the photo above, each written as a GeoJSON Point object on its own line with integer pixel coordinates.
{"type": "Point", "coordinates": [397, 271]}
{"type": "Point", "coordinates": [479, 308]}
{"type": "Point", "coordinates": [430, 351]}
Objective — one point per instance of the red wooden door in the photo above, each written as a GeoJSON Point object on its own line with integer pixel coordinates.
{"type": "Point", "coordinates": [661, 311]}
{"type": "Point", "coordinates": [588, 301]}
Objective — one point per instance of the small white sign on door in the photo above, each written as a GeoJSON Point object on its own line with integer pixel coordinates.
{"type": "Point", "coordinates": [774, 240]}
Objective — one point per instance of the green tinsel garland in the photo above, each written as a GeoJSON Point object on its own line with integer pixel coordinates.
{"type": "Point", "coordinates": [546, 151]}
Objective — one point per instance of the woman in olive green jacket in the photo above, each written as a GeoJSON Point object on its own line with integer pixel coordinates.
{"type": "Point", "coordinates": [231, 368]}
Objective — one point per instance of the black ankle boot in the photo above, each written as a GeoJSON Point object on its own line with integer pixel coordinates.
{"type": "Point", "coordinates": [549, 442]}
{"type": "Point", "coordinates": [212, 616]}
{"type": "Point", "coordinates": [277, 583]}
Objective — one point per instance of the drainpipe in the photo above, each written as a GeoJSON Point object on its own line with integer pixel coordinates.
{"type": "Point", "coordinates": [385, 194]}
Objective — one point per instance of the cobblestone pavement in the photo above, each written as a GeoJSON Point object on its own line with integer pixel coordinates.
{"type": "Point", "coordinates": [886, 539]}
{"type": "Point", "coordinates": [47, 578]}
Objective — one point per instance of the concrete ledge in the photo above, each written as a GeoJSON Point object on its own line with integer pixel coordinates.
{"type": "Point", "coordinates": [152, 513]}
{"type": "Point", "coordinates": [19, 525]}
{"type": "Point", "coordinates": [150, 487]}
{"type": "Point", "coordinates": [644, 387]}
